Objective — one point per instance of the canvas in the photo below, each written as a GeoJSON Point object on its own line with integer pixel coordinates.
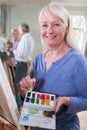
{"type": "Point", "coordinates": [8, 106]}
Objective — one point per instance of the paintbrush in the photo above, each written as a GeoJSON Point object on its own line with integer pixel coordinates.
{"type": "Point", "coordinates": [28, 67]}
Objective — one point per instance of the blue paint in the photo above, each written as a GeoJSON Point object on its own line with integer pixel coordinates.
{"type": "Point", "coordinates": [27, 99]}
{"type": "Point", "coordinates": [25, 118]}
{"type": "Point", "coordinates": [52, 98]}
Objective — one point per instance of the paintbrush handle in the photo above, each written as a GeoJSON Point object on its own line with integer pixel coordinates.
{"type": "Point", "coordinates": [28, 67]}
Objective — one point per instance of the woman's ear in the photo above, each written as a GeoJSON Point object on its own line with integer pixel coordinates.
{"type": "Point", "coordinates": [67, 29]}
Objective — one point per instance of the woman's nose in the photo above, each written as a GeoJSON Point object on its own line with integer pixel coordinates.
{"type": "Point", "coordinates": [50, 29]}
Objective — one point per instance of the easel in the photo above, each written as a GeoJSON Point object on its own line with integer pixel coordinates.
{"type": "Point", "coordinates": [6, 125]}
{"type": "Point", "coordinates": [6, 65]}
{"type": "Point", "coordinates": [9, 75]}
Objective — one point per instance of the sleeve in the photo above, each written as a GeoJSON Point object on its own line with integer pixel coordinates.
{"type": "Point", "coordinates": [79, 102]}
{"type": "Point", "coordinates": [19, 52]}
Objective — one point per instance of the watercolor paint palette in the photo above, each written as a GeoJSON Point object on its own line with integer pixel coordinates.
{"type": "Point", "coordinates": [38, 110]}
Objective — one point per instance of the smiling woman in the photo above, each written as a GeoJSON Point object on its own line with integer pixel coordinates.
{"type": "Point", "coordinates": [53, 31]}
{"type": "Point", "coordinates": [60, 69]}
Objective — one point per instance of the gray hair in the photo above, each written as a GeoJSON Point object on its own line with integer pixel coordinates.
{"type": "Point", "coordinates": [25, 27]}
{"type": "Point", "coordinates": [59, 11]}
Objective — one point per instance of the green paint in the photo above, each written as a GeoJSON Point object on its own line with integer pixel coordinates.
{"type": "Point", "coordinates": [33, 111]}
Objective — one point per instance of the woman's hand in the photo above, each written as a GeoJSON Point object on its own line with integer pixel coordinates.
{"type": "Point", "coordinates": [61, 101]}
{"type": "Point", "coordinates": [26, 84]}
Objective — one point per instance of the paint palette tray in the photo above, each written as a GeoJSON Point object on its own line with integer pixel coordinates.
{"type": "Point", "coordinates": [38, 110]}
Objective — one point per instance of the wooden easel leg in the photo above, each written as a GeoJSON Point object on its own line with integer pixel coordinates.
{"type": "Point", "coordinates": [9, 76]}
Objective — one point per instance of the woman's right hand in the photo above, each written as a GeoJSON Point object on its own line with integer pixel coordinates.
{"type": "Point", "coordinates": [26, 84]}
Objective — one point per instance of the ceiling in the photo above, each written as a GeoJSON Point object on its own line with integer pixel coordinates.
{"type": "Point", "coordinates": [17, 2]}
{"type": "Point", "coordinates": [71, 2]}
{"type": "Point", "coordinates": [75, 4]}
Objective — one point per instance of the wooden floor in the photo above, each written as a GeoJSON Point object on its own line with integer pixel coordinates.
{"type": "Point", "coordinates": [83, 120]}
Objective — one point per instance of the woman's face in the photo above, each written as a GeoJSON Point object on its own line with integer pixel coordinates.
{"type": "Point", "coordinates": [52, 31]}
{"type": "Point", "coordinates": [15, 35]}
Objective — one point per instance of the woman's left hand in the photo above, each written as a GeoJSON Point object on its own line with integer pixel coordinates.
{"type": "Point", "coordinates": [61, 101]}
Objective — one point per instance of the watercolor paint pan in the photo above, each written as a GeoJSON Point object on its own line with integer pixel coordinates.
{"type": "Point", "coordinates": [38, 110]}
{"type": "Point", "coordinates": [40, 99]}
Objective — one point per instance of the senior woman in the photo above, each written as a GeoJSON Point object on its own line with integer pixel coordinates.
{"type": "Point", "coordinates": [60, 69]}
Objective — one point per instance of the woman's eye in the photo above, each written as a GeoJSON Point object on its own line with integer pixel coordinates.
{"type": "Point", "coordinates": [44, 25]}
{"type": "Point", "coordinates": [56, 24]}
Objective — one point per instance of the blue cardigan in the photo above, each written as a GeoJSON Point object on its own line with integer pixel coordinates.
{"type": "Point", "coordinates": [66, 77]}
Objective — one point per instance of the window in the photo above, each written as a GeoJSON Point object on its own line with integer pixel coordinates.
{"type": "Point", "coordinates": [79, 28]}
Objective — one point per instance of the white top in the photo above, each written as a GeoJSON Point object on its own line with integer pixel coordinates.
{"type": "Point", "coordinates": [25, 48]}
{"type": "Point", "coordinates": [14, 45]}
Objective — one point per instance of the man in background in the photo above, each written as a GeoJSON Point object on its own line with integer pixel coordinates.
{"type": "Point", "coordinates": [23, 55]}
